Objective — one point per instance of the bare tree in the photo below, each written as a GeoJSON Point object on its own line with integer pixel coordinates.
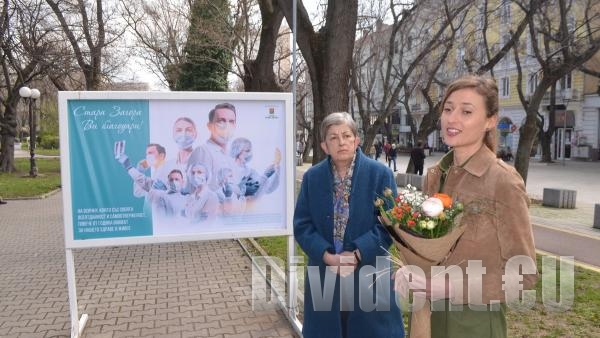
{"type": "Point", "coordinates": [25, 48]}
{"type": "Point", "coordinates": [560, 44]}
{"type": "Point", "coordinates": [328, 56]}
{"type": "Point", "coordinates": [160, 32]}
{"type": "Point", "coordinates": [258, 74]}
{"type": "Point", "coordinates": [84, 26]}
{"type": "Point", "coordinates": [396, 61]}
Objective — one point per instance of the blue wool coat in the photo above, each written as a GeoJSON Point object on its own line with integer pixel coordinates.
{"type": "Point", "coordinates": [371, 305]}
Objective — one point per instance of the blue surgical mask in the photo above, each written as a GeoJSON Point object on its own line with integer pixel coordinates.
{"type": "Point", "coordinates": [227, 133]}
{"type": "Point", "coordinates": [248, 157]}
{"type": "Point", "coordinates": [199, 179]}
{"type": "Point", "coordinates": [184, 140]}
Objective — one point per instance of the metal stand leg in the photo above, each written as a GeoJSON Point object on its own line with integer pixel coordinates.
{"type": "Point", "coordinates": [77, 325]}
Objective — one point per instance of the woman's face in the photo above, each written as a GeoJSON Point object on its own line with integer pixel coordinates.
{"type": "Point", "coordinates": [464, 121]}
{"type": "Point", "coordinates": [246, 154]}
{"type": "Point", "coordinates": [340, 143]}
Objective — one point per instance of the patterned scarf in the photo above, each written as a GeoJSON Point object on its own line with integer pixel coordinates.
{"type": "Point", "coordinates": [341, 205]}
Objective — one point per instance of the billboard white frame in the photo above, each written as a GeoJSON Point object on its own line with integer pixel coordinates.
{"type": "Point", "coordinates": [209, 98]}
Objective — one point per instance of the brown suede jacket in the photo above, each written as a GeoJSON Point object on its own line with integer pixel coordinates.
{"type": "Point", "coordinates": [497, 219]}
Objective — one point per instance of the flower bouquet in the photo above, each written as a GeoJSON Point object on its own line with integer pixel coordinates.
{"type": "Point", "coordinates": [425, 229]}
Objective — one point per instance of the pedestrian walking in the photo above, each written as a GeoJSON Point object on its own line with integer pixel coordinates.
{"type": "Point", "coordinates": [372, 151]}
{"type": "Point", "coordinates": [417, 156]}
{"type": "Point", "coordinates": [378, 149]}
{"type": "Point", "coordinates": [386, 149]}
{"type": "Point", "coordinates": [392, 153]}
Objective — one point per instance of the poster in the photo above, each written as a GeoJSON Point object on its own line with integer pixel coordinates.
{"type": "Point", "coordinates": [151, 167]}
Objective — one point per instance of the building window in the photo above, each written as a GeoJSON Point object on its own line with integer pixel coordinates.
{"type": "Point", "coordinates": [508, 57]}
{"type": "Point", "coordinates": [571, 23]}
{"type": "Point", "coordinates": [530, 50]}
{"type": "Point", "coordinates": [460, 57]}
{"type": "Point", "coordinates": [567, 81]}
{"type": "Point", "coordinates": [532, 83]}
{"type": "Point", "coordinates": [505, 87]}
{"type": "Point", "coordinates": [505, 12]}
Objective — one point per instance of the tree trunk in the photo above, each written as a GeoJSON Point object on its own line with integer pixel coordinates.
{"type": "Point", "coordinates": [328, 54]}
{"type": "Point", "coordinates": [8, 133]}
{"type": "Point", "coordinates": [7, 154]}
{"type": "Point", "coordinates": [526, 142]}
{"type": "Point", "coordinates": [546, 136]}
{"type": "Point", "coordinates": [258, 74]}
{"type": "Point", "coordinates": [545, 140]}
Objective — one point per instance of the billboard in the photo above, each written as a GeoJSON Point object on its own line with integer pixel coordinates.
{"type": "Point", "coordinates": [153, 167]}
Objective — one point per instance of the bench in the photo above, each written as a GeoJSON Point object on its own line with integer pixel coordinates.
{"type": "Point", "coordinates": [402, 180]}
{"type": "Point", "coordinates": [559, 198]}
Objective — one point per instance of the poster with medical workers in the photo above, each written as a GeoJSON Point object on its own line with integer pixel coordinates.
{"type": "Point", "coordinates": [160, 167]}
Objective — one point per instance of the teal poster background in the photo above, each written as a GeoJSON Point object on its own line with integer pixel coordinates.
{"type": "Point", "coordinates": [102, 199]}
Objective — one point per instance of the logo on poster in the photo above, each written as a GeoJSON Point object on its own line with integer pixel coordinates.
{"type": "Point", "coordinates": [271, 114]}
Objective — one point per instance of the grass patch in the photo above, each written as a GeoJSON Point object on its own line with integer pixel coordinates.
{"type": "Point", "coordinates": [19, 185]}
{"type": "Point", "coordinates": [580, 320]}
{"type": "Point", "coordinates": [277, 246]}
{"type": "Point", "coordinates": [48, 152]}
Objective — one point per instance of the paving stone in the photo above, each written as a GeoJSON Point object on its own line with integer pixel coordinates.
{"type": "Point", "coordinates": [160, 290]}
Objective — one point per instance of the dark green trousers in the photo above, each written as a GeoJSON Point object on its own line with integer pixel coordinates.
{"type": "Point", "coordinates": [468, 323]}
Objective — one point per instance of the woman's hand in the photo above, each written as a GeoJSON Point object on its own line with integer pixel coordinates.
{"type": "Point", "coordinates": [343, 263]}
{"type": "Point", "coordinates": [436, 288]}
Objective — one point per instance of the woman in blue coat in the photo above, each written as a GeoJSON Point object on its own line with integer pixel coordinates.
{"type": "Point", "coordinates": [348, 291]}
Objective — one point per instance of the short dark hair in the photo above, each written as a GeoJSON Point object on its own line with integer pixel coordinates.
{"type": "Point", "coordinates": [159, 148]}
{"type": "Point", "coordinates": [175, 171]}
{"type": "Point", "coordinates": [186, 119]}
{"type": "Point", "coordinates": [225, 105]}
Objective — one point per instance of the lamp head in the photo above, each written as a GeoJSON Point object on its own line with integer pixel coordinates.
{"type": "Point", "coordinates": [25, 91]}
{"type": "Point", "coordinates": [35, 94]}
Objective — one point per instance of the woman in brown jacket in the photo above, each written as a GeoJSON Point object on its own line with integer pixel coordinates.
{"type": "Point", "coordinates": [498, 230]}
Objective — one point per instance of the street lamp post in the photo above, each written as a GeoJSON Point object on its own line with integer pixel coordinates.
{"type": "Point", "coordinates": [31, 95]}
{"type": "Point", "coordinates": [566, 97]}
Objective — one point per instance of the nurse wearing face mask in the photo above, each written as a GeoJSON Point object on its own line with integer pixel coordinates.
{"type": "Point", "coordinates": [253, 183]}
{"type": "Point", "coordinates": [214, 154]}
{"type": "Point", "coordinates": [202, 204]}
{"type": "Point", "coordinates": [231, 193]}
{"type": "Point", "coordinates": [184, 134]}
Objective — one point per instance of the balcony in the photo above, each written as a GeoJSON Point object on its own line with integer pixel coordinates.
{"type": "Point", "coordinates": [415, 107]}
{"type": "Point", "coordinates": [564, 95]}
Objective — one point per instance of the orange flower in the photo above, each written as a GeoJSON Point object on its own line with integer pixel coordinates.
{"type": "Point", "coordinates": [446, 200]}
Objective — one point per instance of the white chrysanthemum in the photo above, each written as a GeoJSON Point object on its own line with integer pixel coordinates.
{"type": "Point", "coordinates": [432, 207]}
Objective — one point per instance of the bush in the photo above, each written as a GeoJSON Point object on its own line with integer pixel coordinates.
{"type": "Point", "coordinates": [49, 141]}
